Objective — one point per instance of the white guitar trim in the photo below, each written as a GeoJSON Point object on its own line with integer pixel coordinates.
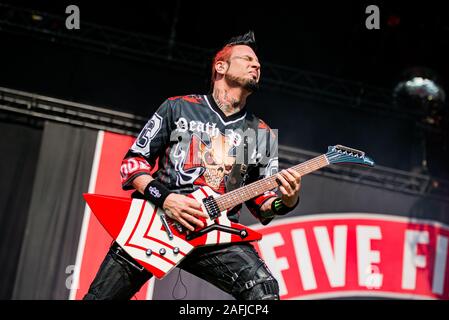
{"type": "Point", "coordinates": [135, 240]}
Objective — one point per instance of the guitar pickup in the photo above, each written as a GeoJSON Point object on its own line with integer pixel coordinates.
{"type": "Point", "coordinates": [211, 207]}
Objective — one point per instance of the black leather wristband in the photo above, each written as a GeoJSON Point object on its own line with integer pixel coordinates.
{"type": "Point", "coordinates": [279, 208]}
{"type": "Point", "coordinates": [156, 192]}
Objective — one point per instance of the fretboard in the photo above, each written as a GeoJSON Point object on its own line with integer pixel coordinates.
{"type": "Point", "coordinates": [245, 193]}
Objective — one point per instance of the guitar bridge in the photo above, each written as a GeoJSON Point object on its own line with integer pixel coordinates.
{"type": "Point", "coordinates": [212, 208]}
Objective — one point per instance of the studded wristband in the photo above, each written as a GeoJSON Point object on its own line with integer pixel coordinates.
{"type": "Point", "coordinates": [156, 192]}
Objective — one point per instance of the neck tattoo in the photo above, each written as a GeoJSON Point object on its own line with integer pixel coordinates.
{"type": "Point", "coordinates": [227, 104]}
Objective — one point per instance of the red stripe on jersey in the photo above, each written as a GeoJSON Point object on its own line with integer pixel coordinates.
{"type": "Point", "coordinates": [192, 99]}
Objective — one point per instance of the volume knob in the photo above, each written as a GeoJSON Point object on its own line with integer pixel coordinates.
{"type": "Point", "coordinates": [243, 234]}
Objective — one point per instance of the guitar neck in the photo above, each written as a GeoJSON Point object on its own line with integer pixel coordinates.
{"type": "Point", "coordinates": [245, 193]}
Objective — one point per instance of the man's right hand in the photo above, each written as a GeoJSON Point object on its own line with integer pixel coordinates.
{"type": "Point", "coordinates": [184, 210]}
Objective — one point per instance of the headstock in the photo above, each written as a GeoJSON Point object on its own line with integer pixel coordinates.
{"type": "Point", "coordinates": [341, 154]}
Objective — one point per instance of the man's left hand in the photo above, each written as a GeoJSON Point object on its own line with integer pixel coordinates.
{"type": "Point", "coordinates": [290, 185]}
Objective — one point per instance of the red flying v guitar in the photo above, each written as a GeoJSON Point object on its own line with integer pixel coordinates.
{"type": "Point", "coordinates": [159, 243]}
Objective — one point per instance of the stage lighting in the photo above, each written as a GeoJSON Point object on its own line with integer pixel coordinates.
{"type": "Point", "coordinates": [420, 91]}
{"type": "Point", "coordinates": [36, 17]}
{"type": "Point", "coordinates": [422, 88]}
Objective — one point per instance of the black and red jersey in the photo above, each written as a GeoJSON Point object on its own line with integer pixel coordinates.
{"type": "Point", "coordinates": [194, 144]}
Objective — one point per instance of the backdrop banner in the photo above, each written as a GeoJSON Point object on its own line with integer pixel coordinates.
{"type": "Point", "coordinates": [357, 254]}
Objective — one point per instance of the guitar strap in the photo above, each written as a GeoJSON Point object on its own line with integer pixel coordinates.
{"type": "Point", "coordinates": [240, 171]}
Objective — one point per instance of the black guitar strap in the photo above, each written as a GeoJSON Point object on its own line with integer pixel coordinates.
{"type": "Point", "coordinates": [239, 172]}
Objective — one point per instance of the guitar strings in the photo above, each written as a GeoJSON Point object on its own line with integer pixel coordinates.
{"type": "Point", "coordinates": [257, 184]}
{"type": "Point", "coordinates": [225, 198]}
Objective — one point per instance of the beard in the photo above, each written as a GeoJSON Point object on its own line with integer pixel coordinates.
{"type": "Point", "coordinates": [250, 85]}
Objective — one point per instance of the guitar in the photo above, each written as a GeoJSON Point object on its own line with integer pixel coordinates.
{"type": "Point", "coordinates": [159, 243]}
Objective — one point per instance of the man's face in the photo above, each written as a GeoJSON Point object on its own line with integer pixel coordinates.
{"type": "Point", "coordinates": [244, 68]}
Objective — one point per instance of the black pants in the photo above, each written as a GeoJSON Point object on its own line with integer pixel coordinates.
{"type": "Point", "coordinates": [236, 269]}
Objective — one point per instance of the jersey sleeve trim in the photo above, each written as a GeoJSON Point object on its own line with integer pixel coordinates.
{"type": "Point", "coordinates": [131, 168]}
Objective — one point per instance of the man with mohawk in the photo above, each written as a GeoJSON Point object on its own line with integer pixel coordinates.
{"type": "Point", "coordinates": [195, 140]}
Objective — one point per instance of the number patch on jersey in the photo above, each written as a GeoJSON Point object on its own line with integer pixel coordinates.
{"type": "Point", "coordinates": [142, 143]}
